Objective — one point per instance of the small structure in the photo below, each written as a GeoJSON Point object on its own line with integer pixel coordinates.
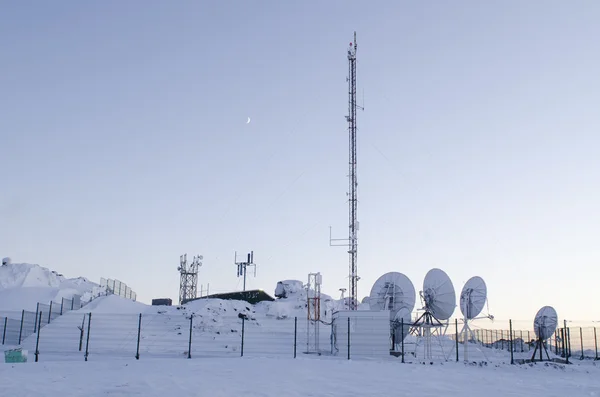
{"type": "Point", "coordinates": [252, 296]}
{"type": "Point", "coordinates": [286, 288]}
{"type": "Point", "coordinates": [369, 333]}
{"type": "Point", "coordinates": [5, 261]}
{"type": "Point", "coordinates": [162, 302]}
{"type": "Point", "coordinates": [313, 303]}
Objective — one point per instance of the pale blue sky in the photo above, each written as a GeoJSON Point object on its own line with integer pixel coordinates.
{"type": "Point", "coordinates": [124, 142]}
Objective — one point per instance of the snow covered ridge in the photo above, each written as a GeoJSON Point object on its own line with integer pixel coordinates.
{"type": "Point", "coordinates": [23, 285]}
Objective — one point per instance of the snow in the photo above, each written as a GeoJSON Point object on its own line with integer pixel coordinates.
{"type": "Point", "coordinates": [269, 377]}
{"type": "Point", "coordinates": [114, 304]}
{"type": "Point", "coordinates": [287, 287]}
{"type": "Point", "coordinates": [23, 285]}
{"type": "Point", "coordinates": [268, 366]}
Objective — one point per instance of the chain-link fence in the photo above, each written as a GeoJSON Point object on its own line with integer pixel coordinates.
{"type": "Point", "coordinates": [15, 327]}
{"type": "Point", "coordinates": [76, 335]}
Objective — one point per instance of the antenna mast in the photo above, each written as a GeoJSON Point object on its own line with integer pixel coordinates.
{"type": "Point", "coordinates": [188, 280]}
{"type": "Point", "coordinates": [241, 266]}
{"type": "Point", "coordinates": [352, 241]}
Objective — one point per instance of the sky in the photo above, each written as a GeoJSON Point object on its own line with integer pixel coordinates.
{"type": "Point", "coordinates": [125, 143]}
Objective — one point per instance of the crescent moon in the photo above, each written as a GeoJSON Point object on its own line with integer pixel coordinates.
{"type": "Point", "coordinates": [248, 122]}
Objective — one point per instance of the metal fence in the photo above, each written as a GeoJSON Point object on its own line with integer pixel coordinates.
{"type": "Point", "coordinates": [77, 335]}
{"type": "Point", "coordinates": [567, 342]}
{"type": "Point", "coordinates": [117, 287]}
{"type": "Point", "coordinates": [18, 326]}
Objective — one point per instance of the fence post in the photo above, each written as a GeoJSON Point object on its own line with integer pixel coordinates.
{"type": "Point", "coordinates": [456, 330]}
{"type": "Point", "coordinates": [569, 342]}
{"type": "Point", "coordinates": [596, 344]}
{"type": "Point", "coordinates": [50, 312]}
{"type": "Point", "coordinates": [402, 334]}
{"type": "Point", "coordinates": [563, 340]}
{"type": "Point", "coordinates": [295, 334]}
{"type": "Point", "coordinates": [35, 324]}
{"type": "Point", "coordinates": [72, 302]}
{"type": "Point", "coordinates": [4, 333]}
{"type": "Point", "coordinates": [512, 361]}
{"type": "Point", "coordinates": [37, 342]}
{"type": "Point", "coordinates": [82, 330]}
{"type": "Point", "coordinates": [87, 343]}
{"type": "Point", "coordinates": [190, 341]}
{"type": "Point", "coordinates": [137, 354]}
{"type": "Point", "coordinates": [242, 349]}
{"type": "Point", "coordinates": [62, 303]}
{"type": "Point", "coordinates": [21, 329]}
{"type": "Point", "coordinates": [581, 338]}
{"type": "Point", "coordinates": [348, 337]}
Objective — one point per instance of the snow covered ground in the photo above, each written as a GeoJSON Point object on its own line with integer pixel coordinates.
{"type": "Point", "coordinates": [268, 377]}
{"type": "Point", "coordinates": [267, 368]}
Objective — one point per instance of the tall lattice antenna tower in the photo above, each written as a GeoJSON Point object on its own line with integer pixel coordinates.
{"type": "Point", "coordinates": [352, 241]}
{"type": "Point", "coordinates": [188, 280]}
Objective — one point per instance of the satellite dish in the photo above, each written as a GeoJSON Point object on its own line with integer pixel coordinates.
{"type": "Point", "coordinates": [472, 297]}
{"type": "Point", "coordinates": [438, 294]}
{"type": "Point", "coordinates": [392, 291]}
{"type": "Point", "coordinates": [248, 122]}
{"type": "Point", "coordinates": [401, 318]}
{"type": "Point", "coordinates": [545, 322]}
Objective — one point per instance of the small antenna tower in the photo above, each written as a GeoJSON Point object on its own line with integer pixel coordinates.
{"type": "Point", "coordinates": [314, 312]}
{"type": "Point", "coordinates": [352, 241]}
{"type": "Point", "coordinates": [242, 266]}
{"type": "Point", "coordinates": [188, 280]}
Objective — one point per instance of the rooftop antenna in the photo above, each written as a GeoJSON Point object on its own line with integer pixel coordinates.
{"type": "Point", "coordinates": [352, 241]}
{"type": "Point", "coordinates": [188, 279]}
{"type": "Point", "coordinates": [242, 266]}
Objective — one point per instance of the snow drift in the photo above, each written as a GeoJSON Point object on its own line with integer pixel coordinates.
{"type": "Point", "coordinates": [23, 285]}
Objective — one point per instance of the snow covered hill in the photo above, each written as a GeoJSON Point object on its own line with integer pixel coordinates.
{"type": "Point", "coordinates": [113, 323]}
{"type": "Point", "coordinates": [23, 285]}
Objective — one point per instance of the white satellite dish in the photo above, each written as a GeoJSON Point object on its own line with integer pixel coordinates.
{"type": "Point", "coordinates": [544, 325]}
{"type": "Point", "coordinates": [473, 297]}
{"type": "Point", "coordinates": [439, 301]}
{"type": "Point", "coordinates": [545, 322]}
{"type": "Point", "coordinates": [392, 291]}
{"type": "Point", "coordinates": [472, 301]}
{"type": "Point", "coordinates": [438, 294]}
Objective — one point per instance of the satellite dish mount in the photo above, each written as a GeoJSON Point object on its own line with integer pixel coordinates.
{"type": "Point", "coordinates": [544, 325]}
{"type": "Point", "coordinates": [439, 299]}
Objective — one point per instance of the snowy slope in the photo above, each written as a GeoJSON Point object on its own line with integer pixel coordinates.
{"type": "Point", "coordinates": [23, 285]}
{"type": "Point", "coordinates": [293, 378]}
{"type": "Point", "coordinates": [270, 329]}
